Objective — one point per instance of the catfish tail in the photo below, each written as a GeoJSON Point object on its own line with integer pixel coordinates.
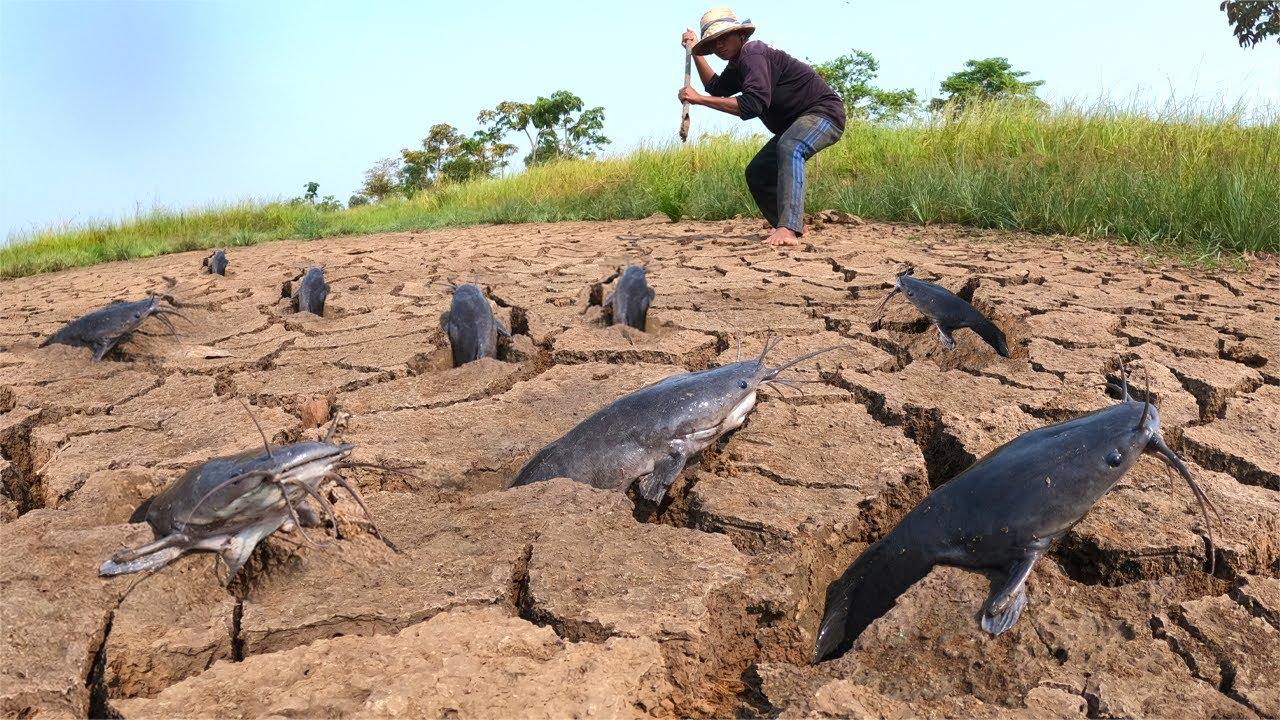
{"type": "Point", "coordinates": [866, 591]}
{"type": "Point", "coordinates": [988, 331]}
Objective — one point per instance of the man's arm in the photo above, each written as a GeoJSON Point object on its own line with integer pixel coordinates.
{"type": "Point", "coordinates": [705, 73]}
{"type": "Point", "coordinates": [725, 105]}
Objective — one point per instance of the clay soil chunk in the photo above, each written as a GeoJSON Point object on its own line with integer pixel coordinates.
{"type": "Point", "coordinates": [174, 625]}
{"type": "Point", "coordinates": [469, 663]}
{"type": "Point", "coordinates": [54, 609]}
{"type": "Point", "coordinates": [1262, 596]}
{"type": "Point", "coordinates": [451, 554]}
{"type": "Point", "coordinates": [810, 470]}
{"type": "Point", "coordinates": [1246, 444]}
{"type": "Point", "coordinates": [1246, 649]}
{"type": "Point", "coordinates": [623, 344]}
{"type": "Point", "coordinates": [472, 381]}
{"type": "Point", "coordinates": [1212, 381]}
{"type": "Point", "coordinates": [565, 601]}
{"type": "Point", "coordinates": [607, 577]}
{"type": "Point", "coordinates": [847, 699]}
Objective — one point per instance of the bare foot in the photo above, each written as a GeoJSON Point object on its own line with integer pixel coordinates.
{"type": "Point", "coordinates": [783, 236]}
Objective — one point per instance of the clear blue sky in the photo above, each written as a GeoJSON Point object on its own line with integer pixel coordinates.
{"type": "Point", "coordinates": [108, 108]}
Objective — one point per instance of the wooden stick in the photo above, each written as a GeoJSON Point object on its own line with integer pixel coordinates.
{"type": "Point", "coordinates": [684, 110]}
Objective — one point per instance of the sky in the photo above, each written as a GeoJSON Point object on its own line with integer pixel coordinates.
{"type": "Point", "coordinates": [108, 109]}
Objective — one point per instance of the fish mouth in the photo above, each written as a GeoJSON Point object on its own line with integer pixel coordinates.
{"type": "Point", "coordinates": [1155, 446]}
{"type": "Point", "coordinates": [738, 414]}
{"type": "Point", "coordinates": [314, 467]}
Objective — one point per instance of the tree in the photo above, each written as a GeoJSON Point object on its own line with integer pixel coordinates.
{"type": "Point", "coordinates": [422, 167]}
{"type": "Point", "coordinates": [506, 116]}
{"type": "Point", "coordinates": [475, 157]}
{"type": "Point", "coordinates": [555, 126]}
{"type": "Point", "coordinates": [565, 131]}
{"type": "Point", "coordinates": [448, 154]}
{"type": "Point", "coordinates": [851, 75]}
{"type": "Point", "coordinates": [1253, 21]}
{"type": "Point", "coordinates": [989, 79]}
{"type": "Point", "coordinates": [382, 179]}
{"type": "Point", "coordinates": [312, 188]}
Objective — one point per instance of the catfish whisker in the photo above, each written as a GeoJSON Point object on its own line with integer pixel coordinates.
{"type": "Point", "coordinates": [325, 505]}
{"type": "Point", "coordinates": [789, 384]}
{"type": "Point", "coordinates": [165, 321]}
{"type": "Point", "coordinates": [265, 444]}
{"type": "Point", "coordinates": [293, 515]}
{"type": "Point", "coordinates": [355, 493]}
{"type": "Point", "coordinates": [774, 371]}
{"type": "Point", "coordinates": [383, 468]}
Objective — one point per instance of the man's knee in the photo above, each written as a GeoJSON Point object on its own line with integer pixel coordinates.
{"type": "Point", "coordinates": [760, 172]}
{"type": "Point", "coordinates": [789, 150]}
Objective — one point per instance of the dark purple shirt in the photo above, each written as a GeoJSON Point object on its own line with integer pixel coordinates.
{"type": "Point", "coordinates": [776, 88]}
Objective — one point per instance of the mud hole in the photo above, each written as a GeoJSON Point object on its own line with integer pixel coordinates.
{"type": "Point", "coordinates": [557, 599]}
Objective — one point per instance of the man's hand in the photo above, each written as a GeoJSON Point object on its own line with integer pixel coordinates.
{"type": "Point", "coordinates": [688, 39]}
{"type": "Point", "coordinates": [688, 94]}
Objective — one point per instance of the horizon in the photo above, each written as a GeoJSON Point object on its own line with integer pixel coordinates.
{"type": "Point", "coordinates": [192, 107]}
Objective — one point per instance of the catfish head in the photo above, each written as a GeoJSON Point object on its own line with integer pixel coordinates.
{"type": "Point", "coordinates": [1127, 431]}
{"type": "Point", "coordinates": [729, 391]}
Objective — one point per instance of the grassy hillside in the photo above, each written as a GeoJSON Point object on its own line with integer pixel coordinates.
{"type": "Point", "coordinates": [1205, 188]}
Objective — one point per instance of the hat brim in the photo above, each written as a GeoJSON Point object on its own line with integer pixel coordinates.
{"type": "Point", "coordinates": [703, 46]}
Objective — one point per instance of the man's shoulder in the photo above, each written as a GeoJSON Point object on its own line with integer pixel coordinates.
{"type": "Point", "coordinates": [760, 51]}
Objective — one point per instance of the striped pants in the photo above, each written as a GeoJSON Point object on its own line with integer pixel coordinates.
{"type": "Point", "coordinates": [775, 175]}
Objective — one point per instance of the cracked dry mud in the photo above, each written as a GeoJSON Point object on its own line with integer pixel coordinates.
{"type": "Point", "coordinates": [561, 600]}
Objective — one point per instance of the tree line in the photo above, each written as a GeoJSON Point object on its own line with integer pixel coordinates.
{"type": "Point", "coordinates": [556, 127]}
{"type": "Point", "coordinates": [989, 79]}
{"type": "Point", "coordinates": [560, 126]}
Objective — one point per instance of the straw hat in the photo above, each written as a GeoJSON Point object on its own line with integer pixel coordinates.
{"type": "Point", "coordinates": [716, 22]}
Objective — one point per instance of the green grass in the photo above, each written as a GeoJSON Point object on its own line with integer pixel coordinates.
{"type": "Point", "coordinates": [1201, 186]}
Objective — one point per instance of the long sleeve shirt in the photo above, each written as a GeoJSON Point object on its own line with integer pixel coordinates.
{"type": "Point", "coordinates": [776, 88]}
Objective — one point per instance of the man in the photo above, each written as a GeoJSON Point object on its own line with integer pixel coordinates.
{"type": "Point", "coordinates": [799, 108]}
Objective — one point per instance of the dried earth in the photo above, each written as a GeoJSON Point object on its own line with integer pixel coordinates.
{"type": "Point", "coordinates": [560, 600]}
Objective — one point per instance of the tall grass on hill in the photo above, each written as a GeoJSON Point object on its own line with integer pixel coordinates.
{"type": "Point", "coordinates": [1204, 186]}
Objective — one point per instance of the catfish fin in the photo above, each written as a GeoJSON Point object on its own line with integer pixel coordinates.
{"type": "Point", "coordinates": [236, 549]}
{"type": "Point", "coordinates": [444, 321]}
{"type": "Point", "coordinates": [1008, 595]}
{"type": "Point", "coordinates": [996, 621]}
{"type": "Point", "coordinates": [100, 351]}
{"type": "Point", "coordinates": [665, 471]}
{"type": "Point", "coordinates": [944, 337]}
{"type": "Point", "coordinates": [151, 561]}
{"type": "Point", "coordinates": [502, 329]}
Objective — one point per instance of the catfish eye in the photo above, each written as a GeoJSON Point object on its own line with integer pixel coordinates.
{"type": "Point", "coordinates": [742, 384]}
{"type": "Point", "coordinates": [137, 315]}
{"type": "Point", "coordinates": [1115, 458]}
